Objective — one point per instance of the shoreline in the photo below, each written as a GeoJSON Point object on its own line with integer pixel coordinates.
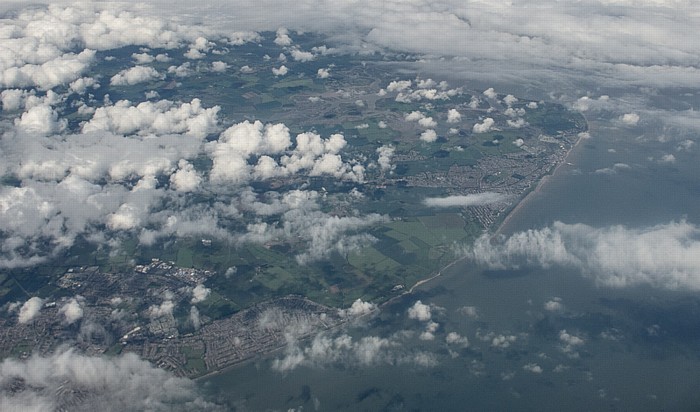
{"type": "Point", "coordinates": [433, 275]}
{"type": "Point", "coordinates": [529, 196]}
{"type": "Point", "coordinates": [538, 189]}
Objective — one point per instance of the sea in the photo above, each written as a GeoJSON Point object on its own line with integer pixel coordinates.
{"type": "Point", "coordinates": [637, 350]}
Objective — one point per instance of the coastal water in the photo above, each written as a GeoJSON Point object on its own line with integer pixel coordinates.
{"type": "Point", "coordinates": [638, 347]}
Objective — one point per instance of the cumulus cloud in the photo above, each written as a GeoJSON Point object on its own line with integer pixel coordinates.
{"type": "Point", "coordinates": [311, 153]}
{"type": "Point", "coordinates": [453, 116]}
{"type": "Point", "coordinates": [533, 367]}
{"type": "Point", "coordinates": [503, 341]}
{"type": "Point", "coordinates": [240, 38]}
{"type": "Point", "coordinates": [71, 311]}
{"type": "Point", "coordinates": [554, 305]}
{"type": "Point", "coordinates": [570, 343]}
{"type": "Point", "coordinates": [200, 293]}
{"type": "Point", "coordinates": [490, 93]}
{"type": "Point", "coordinates": [219, 66]}
{"type": "Point", "coordinates": [346, 351]}
{"type": "Point", "coordinates": [280, 71]}
{"type": "Point", "coordinates": [664, 256]}
{"type": "Point", "coordinates": [164, 309]}
{"type": "Point", "coordinates": [134, 75]}
{"type": "Point", "coordinates": [159, 117]}
{"type": "Point", "coordinates": [630, 119]}
{"type": "Point", "coordinates": [30, 309]}
{"type": "Point", "coordinates": [420, 311]}
{"type": "Point", "coordinates": [185, 179]}
{"type": "Point", "coordinates": [385, 155]}
{"type": "Point", "coordinates": [476, 199]}
{"type": "Point", "coordinates": [454, 338]}
{"type": "Point", "coordinates": [323, 73]}
{"type": "Point", "coordinates": [485, 126]}
{"type": "Point", "coordinates": [302, 56]}
{"type": "Point", "coordinates": [41, 119]}
{"type": "Point", "coordinates": [428, 136]}
{"type": "Point", "coordinates": [282, 37]}
{"type": "Point", "coordinates": [359, 308]}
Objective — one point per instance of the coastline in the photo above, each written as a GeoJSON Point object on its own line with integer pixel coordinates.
{"type": "Point", "coordinates": [528, 197]}
{"type": "Point", "coordinates": [434, 275]}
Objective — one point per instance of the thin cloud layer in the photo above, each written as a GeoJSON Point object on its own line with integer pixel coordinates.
{"type": "Point", "coordinates": [67, 380]}
{"type": "Point", "coordinates": [476, 199]}
{"type": "Point", "coordinates": [665, 256]}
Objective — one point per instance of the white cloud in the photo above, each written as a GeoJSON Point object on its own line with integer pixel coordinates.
{"type": "Point", "coordinates": [490, 93]}
{"type": "Point", "coordinates": [454, 338]}
{"type": "Point", "coordinates": [469, 311]}
{"type": "Point", "coordinates": [428, 136]}
{"type": "Point", "coordinates": [554, 305]}
{"type": "Point", "coordinates": [484, 126]}
{"type": "Point", "coordinates": [302, 56]}
{"type": "Point", "coordinates": [186, 178]}
{"type": "Point", "coordinates": [71, 311]}
{"type": "Point", "coordinates": [219, 66]}
{"type": "Point", "coordinates": [164, 309]}
{"type": "Point", "coordinates": [630, 119]}
{"type": "Point", "coordinates": [510, 99]}
{"type": "Point", "coordinates": [195, 318]}
{"type": "Point", "coordinates": [427, 122]}
{"type": "Point", "coordinates": [280, 71]}
{"type": "Point", "coordinates": [420, 311]}
{"type": "Point", "coordinates": [142, 58]}
{"type": "Point", "coordinates": [41, 119]}
{"type": "Point", "coordinates": [453, 116]}
{"type": "Point", "coordinates": [161, 117]}
{"type": "Point", "coordinates": [30, 309]}
{"type": "Point", "coordinates": [385, 155]}
{"type": "Point", "coordinates": [533, 367]}
{"type": "Point", "coordinates": [570, 343]}
{"type": "Point", "coordinates": [359, 308]}
{"type": "Point", "coordinates": [134, 75]}
{"type": "Point", "coordinates": [503, 341]}
{"type": "Point", "coordinates": [414, 116]}
{"type": "Point", "coordinates": [476, 199]}
{"type": "Point", "coordinates": [200, 293]}
{"type": "Point", "coordinates": [517, 123]}
{"type": "Point", "coordinates": [668, 158]}
{"type": "Point", "coordinates": [240, 38]}
{"type": "Point", "coordinates": [82, 84]}
{"type": "Point", "coordinates": [282, 38]}
{"type": "Point", "coordinates": [323, 73]}
{"type": "Point", "coordinates": [665, 256]}
{"type": "Point", "coordinates": [399, 85]}
{"type": "Point", "coordinates": [110, 384]}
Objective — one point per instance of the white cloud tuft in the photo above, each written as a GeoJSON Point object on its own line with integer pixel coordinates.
{"type": "Point", "coordinates": [630, 119]}
{"type": "Point", "coordinates": [420, 311]}
{"type": "Point", "coordinates": [453, 116]}
{"type": "Point", "coordinates": [30, 309]}
{"type": "Point", "coordinates": [280, 71]}
{"type": "Point", "coordinates": [135, 75]}
{"type": "Point", "coordinates": [484, 126]}
{"type": "Point", "coordinates": [71, 311]}
{"type": "Point", "coordinates": [200, 293]}
{"type": "Point", "coordinates": [428, 136]}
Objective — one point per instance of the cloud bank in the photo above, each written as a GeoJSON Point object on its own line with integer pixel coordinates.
{"type": "Point", "coordinates": [70, 381]}
{"type": "Point", "coordinates": [664, 256]}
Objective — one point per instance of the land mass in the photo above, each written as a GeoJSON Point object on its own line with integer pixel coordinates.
{"type": "Point", "coordinates": [196, 305]}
